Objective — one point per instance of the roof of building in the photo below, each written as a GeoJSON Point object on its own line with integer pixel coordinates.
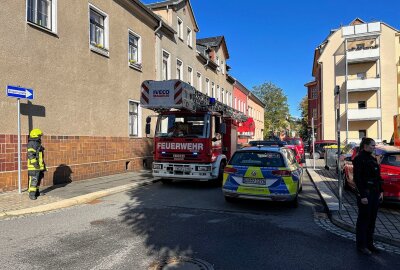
{"type": "Point", "coordinates": [214, 42]}
{"type": "Point", "coordinates": [171, 3]}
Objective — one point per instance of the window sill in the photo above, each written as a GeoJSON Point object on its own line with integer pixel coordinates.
{"type": "Point", "coordinates": [138, 67]}
{"type": "Point", "coordinates": [190, 46]}
{"type": "Point", "coordinates": [181, 38]}
{"type": "Point", "coordinates": [44, 29]}
{"type": "Point", "coordinates": [101, 51]}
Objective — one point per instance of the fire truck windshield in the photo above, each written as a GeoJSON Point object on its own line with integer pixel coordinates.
{"type": "Point", "coordinates": [183, 125]}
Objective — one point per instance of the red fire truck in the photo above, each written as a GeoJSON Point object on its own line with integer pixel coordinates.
{"type": "Point", "coordinates": [195, 135]}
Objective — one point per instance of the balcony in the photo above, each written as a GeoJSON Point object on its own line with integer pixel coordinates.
{"type": "Point", "coordinates": [363, 84]}
{"type": "Point", "coordinates": [365, 29]}
{"type": "Point", "coordinates": [366, 54]}
{"type": "Point", "coordinates": [364, 114]}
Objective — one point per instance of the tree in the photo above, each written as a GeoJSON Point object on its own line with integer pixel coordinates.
{"type": "Point", "coordinates": [303, 107]}
{"type": "Point", "coordinates": [276, 111]}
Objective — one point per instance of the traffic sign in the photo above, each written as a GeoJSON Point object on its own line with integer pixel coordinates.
{"type": "Point", "coordinates": [19, 92]}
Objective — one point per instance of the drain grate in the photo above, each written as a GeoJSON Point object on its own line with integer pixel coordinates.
{"type": "Point", "coordinates": [181, 263]}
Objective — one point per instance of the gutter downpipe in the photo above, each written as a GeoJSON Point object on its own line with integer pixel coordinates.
{"type": "Point", "coordinates": [208, 59]}
{"type": "Point", "coordinates": [158, 50]}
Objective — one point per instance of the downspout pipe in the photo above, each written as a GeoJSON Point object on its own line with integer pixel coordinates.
{"type": "Point", "coordinates": [158, 28]}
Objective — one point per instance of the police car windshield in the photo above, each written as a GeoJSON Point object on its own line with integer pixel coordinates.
{"type": "Point", "coordinates": [180, 125]}
{"type": "Point", "coordinates": [257, 159]}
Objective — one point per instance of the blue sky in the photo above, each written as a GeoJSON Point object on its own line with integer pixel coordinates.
{"type": "Point", "coordinates": [275, 40]}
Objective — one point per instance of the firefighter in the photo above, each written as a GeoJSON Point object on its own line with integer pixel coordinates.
{"type": "Point", "coordinates": [36, 166]}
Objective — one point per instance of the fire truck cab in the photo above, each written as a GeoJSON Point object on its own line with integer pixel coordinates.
{"type": "Point", "coordinates": [194, 135]}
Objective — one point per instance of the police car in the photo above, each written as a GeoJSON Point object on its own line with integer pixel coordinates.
{"type": "Point", "coordinates": [263, 173]}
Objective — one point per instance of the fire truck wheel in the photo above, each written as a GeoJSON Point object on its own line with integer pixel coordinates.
{"type": "Point", "coordinates": [166, 181]}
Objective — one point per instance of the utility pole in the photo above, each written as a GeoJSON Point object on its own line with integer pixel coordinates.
{"type": "Point", "coordinates": [313, 140]}
{"type": "Point", "coordinates": [337, 105]}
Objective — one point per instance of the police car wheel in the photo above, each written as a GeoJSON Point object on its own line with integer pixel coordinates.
{"type": "Point", "coordinates": [295, 202]}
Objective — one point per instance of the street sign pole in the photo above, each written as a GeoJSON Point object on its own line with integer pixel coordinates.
{"type": "Point", "coordinates": [19, 92]}
{"type": "Point", "coordinates": [340, 184]}
{"type": "Point", "coordinates": [19, 146]}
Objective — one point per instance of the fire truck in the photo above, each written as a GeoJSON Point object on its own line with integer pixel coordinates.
{"type": "Point", "coordinates": [195, 135]}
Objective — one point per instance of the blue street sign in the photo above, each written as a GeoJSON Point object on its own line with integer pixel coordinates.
{"type": "Point", "coordinates": [19, 92]}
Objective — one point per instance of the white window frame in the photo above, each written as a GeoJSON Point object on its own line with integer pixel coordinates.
{"type": "Point", "coordinates": [168, 65]}
{"type": "Point", "coordinates": [190, 75]}
{"type": "Point", "coordinates": [222, 67]}
{"type": "Point", "coordinates": [179, 28]}
{"type": "Point", "coordinates": [53, 17]}
{"type": "Point", "coordinates": [189, 38]}
{"type": "Point", "coordinates": [180, 73]}
{"type": "Point", "coordinates": [100, 48]}
{"type": "Point", "coordinates": [135, 64]}
{"type": "Point", "coordinates": [139, 119]}
{"type": "Point", "coordinates": [213, 89]}
{"type": "Point", "coordinates": [199, 82]}
{"type": "Point", "coordinates": [218, 93]}
{"type": "Point", "coordinates": [236, 104]}
{"type": "Point", "coordinates": [223, 95]}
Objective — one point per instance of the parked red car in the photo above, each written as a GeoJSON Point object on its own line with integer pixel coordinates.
{"type": "Point", "coordinates": [389, 160]}
{"type": "Point", "coordinates": [298, 143]}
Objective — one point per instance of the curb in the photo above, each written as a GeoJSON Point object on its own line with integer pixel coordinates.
{"type": "Point", "coordinates": [76, 200]}
{"type": "Point", "coordinates": [335, 219]}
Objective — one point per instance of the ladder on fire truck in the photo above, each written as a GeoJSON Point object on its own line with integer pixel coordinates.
{"type": "Point", "coordinates": [161, 96]}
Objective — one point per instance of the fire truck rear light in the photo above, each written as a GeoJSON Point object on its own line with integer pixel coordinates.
{"type": "Point", "coordinates": [230, 170]}
{"type": "Point", "coordinates": [157, 166]}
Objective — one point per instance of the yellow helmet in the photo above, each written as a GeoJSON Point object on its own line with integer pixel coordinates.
{"type": "Point", "coordinates": [35, 133]}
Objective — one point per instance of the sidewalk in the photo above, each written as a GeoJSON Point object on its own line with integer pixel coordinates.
{"type": "Point", "coordinates": [387, 223]}
{"type": "Point", "coordinates": [56, 197]}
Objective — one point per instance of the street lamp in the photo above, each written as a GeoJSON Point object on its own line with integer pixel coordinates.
{"type": "Point", "coordinates": [337, 105]}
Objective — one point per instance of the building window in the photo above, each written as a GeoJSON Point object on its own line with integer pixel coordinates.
{"type": "Point", "coordinates": [199, 82]}
{"type": "Point", "coordinates": [190, 75]}
{"type": "Point", "coordinates": [222, 67]}
{"type": "Point", "coordinates": [235, 104]}
{"type": "Point", "coordinates": [98, 30]}
{"type": "Point", "coordinates": [134, 51]}
{"type": "Point", "coordinates": [189, 37]}
{"type": "Point", "coordinates": [222, 95]}
{"type": "Point", "coordinates": [165, 66]}
{"type": "Point", "coordinates": [179, 69]}
{"type": "Point", "coordinates": [133, 118]}
{"type": "Point", "coordinates": [208, 86]}
{"type": "Point", "coordinates": [362, 133]}
{"type": "Point", "coordinates": [314, 113]}
{"type": "Point", "coordinates": [213, 90]}
{"type": "Point", "coordinates": [42, 13]}
{"type": "Point", "coordinates": [314, 93]}
{"type": "Point", "coordinates": [218, 93]}
{"type": "Point", "coordinates": [179, 28]}
{"type": "Point", "coordinates": [362, 105]}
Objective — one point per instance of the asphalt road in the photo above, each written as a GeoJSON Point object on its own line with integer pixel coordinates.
{"type": "Point", "coordinates": [137, 229]}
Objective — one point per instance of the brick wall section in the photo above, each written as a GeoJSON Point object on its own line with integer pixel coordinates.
{"type": "Point", "coordinates": [74, 158]}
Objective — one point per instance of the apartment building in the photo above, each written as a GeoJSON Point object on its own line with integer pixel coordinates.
{"type": "Point", "coordinates": [362, 60]}
{"type": "Point", "coordinates": [246, 102]}
{"type": "Point", "coordinates": [199, 62]}
{"type": "Point", "coordinates": [85, 61]}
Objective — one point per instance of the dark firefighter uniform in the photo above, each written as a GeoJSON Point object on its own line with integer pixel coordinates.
{"type": "Point", "coordinates": [36, 166]}
{"type": "Point", "coordinates": [367, 178]}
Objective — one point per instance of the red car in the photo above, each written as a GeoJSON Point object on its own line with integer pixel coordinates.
{"type": "Point", "coordinates": [298, 143]}
{"type": "Point", "coordinates": [389, 160]}
{"type": "Point", "coordinates": [297, 154]}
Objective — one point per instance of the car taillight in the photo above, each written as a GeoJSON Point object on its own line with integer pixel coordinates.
{"type": "Point", "coordinates": [282, 173]}
{"type": "Point", "coordinates": [230, 170]}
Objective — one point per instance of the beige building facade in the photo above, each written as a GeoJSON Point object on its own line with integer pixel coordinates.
{"type": "Point", "coordinates": [362, 60]}
{"type": "Point", "coordinates": [256, 111]}
{"type": "Point", "coordinates": [85, 61]}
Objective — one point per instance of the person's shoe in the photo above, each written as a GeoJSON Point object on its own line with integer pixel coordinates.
{"type": "Point", "coordinates": [374, 249]}
{"type": "Point", "coordinates": [365, 251]}
{"type": "Point", "coordinates": [37, 194]}
{"type": "Point", "coordinates": [32, 195]}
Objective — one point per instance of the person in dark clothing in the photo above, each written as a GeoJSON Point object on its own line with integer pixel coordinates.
{"type": "Point", "coordinates": [36, 166]}
{"type": "Point", "coordinates": [368, 180]}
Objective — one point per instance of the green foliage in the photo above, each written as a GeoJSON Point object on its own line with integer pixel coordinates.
{"type": "Point", "coordinates": [276, 107]}
{"type": "Point", "coordinates": [303, 107]}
